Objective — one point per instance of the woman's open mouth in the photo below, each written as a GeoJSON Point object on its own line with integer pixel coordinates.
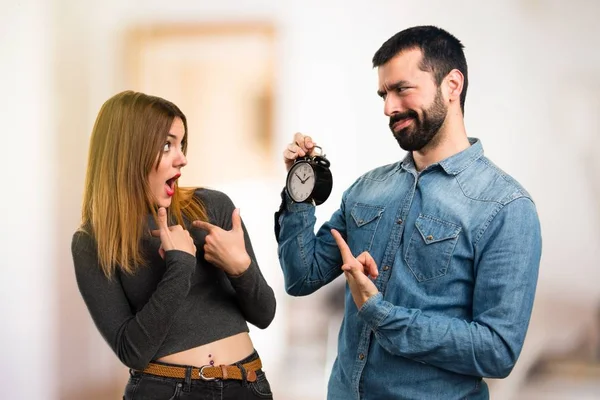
{"type": "Point", "coordinates": [170, 185]}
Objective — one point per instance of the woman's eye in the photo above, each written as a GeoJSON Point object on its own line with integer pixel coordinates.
{"type": "Point", "coordinates": [166, 147]}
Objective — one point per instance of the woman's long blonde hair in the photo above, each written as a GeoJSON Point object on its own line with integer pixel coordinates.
{"type": "Point", "coordinates": [129, 132]}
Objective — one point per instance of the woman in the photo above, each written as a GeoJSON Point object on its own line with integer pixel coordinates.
{"type": "Point", "coordinates": [168, 274]}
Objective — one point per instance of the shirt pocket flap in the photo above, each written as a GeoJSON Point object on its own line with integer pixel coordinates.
{"type": "Point", "coordinates": [362, 214]}
{"type": "Point", "coordinates": [434, 230]}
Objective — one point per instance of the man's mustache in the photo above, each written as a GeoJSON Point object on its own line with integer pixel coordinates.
{"type": "Point", "coordinates": [399, 117]}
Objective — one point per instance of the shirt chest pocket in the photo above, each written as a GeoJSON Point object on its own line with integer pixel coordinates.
{"type": "Point", "coordinates": [431, 247]}
{"type": "Point", "coordinates": [362, 226]}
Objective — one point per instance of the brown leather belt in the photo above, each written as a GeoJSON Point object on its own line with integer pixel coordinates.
{"type": "Point", "coordinates": [207, 372]}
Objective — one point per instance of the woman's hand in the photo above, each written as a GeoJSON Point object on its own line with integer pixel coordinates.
{"type": "Point", "coordinates": [226, 249]}
{"type": "Point", "coordinates": [172, 237]}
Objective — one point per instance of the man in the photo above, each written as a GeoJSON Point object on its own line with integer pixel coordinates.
{"type": "Point", "coordinates": [440, 250]}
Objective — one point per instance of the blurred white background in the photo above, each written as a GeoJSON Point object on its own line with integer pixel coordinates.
{"type": "Point", "coordinates": [534, 92]}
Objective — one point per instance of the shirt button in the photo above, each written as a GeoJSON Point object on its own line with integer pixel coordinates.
{"type": "Point", "coordinates": [399, 222]}
{"type": "Point", "coordinates": [430, 237]}
{"type": "Point", "coordinates": [361, 356]}
{"type": "Point", "coordinates": [386, 267]}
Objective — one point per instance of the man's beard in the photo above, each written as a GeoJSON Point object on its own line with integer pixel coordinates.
{"type": "Point", "coordinates": [421, 131]}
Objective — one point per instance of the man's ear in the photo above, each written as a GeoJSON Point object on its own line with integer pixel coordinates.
{"type": "Point", "coordinates": [453, 85]}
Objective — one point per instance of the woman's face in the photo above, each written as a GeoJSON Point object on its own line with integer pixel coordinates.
{"type": "Point", "coordinates": [162, 179]}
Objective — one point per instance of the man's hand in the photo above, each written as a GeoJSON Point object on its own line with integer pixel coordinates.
{"type": "Point", "coordinates": [226, 249]}
{"type": "Point", "coordinates": [300, 146]}
{"type": "Point", "coordinates": [357, 271]}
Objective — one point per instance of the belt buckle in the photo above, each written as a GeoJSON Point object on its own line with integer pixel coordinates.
{"type": "Point", "coordinates": [202, 375]}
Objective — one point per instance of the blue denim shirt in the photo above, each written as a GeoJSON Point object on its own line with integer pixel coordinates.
{"type": "Point", "coordinates": [458, 247]}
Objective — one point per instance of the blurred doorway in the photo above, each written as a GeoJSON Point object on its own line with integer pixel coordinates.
{"type": "Point", "coordinates": [222, 78]}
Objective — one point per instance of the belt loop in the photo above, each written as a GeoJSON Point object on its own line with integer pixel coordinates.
{"type": "Point", "coordinates": [187, 385]}
{"type": "Point", "coordinates": [224, 371]}
{"type": "Point", "coordinates": [244, 374]}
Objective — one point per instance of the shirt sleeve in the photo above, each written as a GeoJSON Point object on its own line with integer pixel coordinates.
{"type": "Point", "coordinates": [506, 267]}
{"type": "Point", "coordinates": [255, 297]}
{"type": "Point", "coordinates": [134, 337]}
{"type": "Point", "coordinates": [309, 261]}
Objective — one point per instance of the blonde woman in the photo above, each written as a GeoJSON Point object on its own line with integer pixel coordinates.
{"type": "Point", "coordinates": [168, 274]}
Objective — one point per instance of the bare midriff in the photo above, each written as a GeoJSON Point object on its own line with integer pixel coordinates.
{"type": "Point", "coordinates": [223, 351]}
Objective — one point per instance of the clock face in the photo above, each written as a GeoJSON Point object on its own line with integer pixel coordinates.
{"type": "Point", "coordinates": [301, 181]}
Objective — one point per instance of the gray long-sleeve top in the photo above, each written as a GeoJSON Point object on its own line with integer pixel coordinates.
{"type": "Point", "coordinates": [174, 304]}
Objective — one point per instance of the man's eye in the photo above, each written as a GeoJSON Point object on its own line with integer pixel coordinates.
{"type": "Point", "coordinates": [166, 147]}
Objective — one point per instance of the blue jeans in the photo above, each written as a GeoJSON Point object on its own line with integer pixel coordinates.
{"type": "Point", "coordinates": [143, 386]}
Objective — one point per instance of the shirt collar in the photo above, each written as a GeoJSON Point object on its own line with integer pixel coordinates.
{"type": "Point", "coordinates": [454, 164]}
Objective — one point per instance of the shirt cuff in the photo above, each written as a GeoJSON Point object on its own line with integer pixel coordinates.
{"type": "Point", "coordinates": [375, 310]}
{"type": "Point", "coordinates": [180, 257]}
{"type": "Point", "coordinates": [247, 279]}
{"type": "Point", "coordinates": [289, 205]}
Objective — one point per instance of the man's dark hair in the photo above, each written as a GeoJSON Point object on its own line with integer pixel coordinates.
{"type": "Point", "coordinates": [441, 51]}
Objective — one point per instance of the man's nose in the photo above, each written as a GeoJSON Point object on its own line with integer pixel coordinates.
{"type": "Point", "coordinates": [392, 106]}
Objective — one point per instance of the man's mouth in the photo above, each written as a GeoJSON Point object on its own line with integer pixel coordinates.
{"type": "Point", "coordinates": [400, 121]}
{"type": "Point", "coordinates": [170, 185]}
{"type": "Point", "coordinates": [401, 124]}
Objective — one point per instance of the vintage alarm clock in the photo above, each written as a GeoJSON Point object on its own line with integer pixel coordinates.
{"type": "Point", "coordinates": [309, 179]}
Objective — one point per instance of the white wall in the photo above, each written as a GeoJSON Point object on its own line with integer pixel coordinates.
{"type": "Point", "coordinates": [532, 100]}
{"type": "Point", "coordinates": [27, 242]}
